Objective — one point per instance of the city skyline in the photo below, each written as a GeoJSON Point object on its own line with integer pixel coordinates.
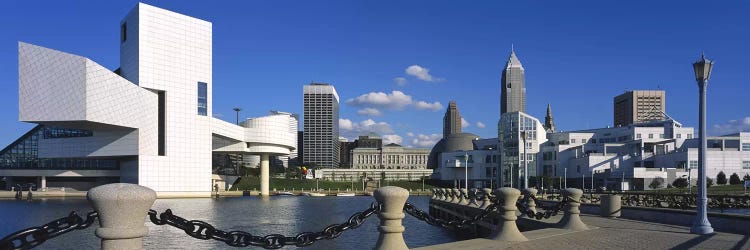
{"type": "Point", "coordinates": [397, 81]}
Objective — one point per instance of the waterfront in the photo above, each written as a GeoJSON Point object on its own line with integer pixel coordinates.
{"type": "Point", "coordinates": [286, 215]}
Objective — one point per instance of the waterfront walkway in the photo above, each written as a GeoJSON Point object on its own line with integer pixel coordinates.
{"type": "Point", "coordinates": [610, 234]}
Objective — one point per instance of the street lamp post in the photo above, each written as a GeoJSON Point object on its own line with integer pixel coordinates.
{"type": "Point", "coordinates": [702, 70]}
{"type": "Point", "coordinates": [237, 110]}
{"type": "Point", "coordinates": [525, 165]}
{"type": "Point", "coordinates": [466, 171]}
{"type": "Point", "coordinates": [566, 177]}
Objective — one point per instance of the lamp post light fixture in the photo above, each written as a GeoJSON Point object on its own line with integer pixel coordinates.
{"type": "Point", "coordinates": [702, 70]}
{"type": "Point", "coordinates": [237, 110]}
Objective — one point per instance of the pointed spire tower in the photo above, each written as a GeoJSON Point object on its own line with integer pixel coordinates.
{"type": "Point", "coordinates": [549, 122]}
{"type": "Point", "coordinates": [513, 89]}
{"type": "Point", "coordinates": [451, 120]}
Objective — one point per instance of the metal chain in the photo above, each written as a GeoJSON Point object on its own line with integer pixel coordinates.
{"type": "Point", "coordinates": [454, 224]}
{"type": "Point", "coordinates": [35, 236]}
{"type": "Point", "coordinates": [549, 211]}
{"type": "Point", "coordinates": [202, 230]}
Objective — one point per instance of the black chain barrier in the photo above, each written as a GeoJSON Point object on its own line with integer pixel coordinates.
{"type": "Point", "coordinates": [549, 211]}
{"type": "Point", "coordinates": [202, 230]}
{"type": "Point", "coordinates": [454, 224]}
{"type": "Point", "coordinates": [35, 236]}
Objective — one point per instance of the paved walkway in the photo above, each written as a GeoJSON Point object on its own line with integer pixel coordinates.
{"type": "Point", "coordinates": [612, 234]}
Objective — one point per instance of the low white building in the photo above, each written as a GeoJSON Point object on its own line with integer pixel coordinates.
{"type": "Point", "coordinates": [637, 154]}
{"type": "Point", "coordinates": [391, 156]}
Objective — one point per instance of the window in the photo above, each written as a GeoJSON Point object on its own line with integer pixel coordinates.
{"type": "Point", "coordinates": [123, 32]}
{"type": "Point", "coordinates": [583, 140]}
{"type": "Point", "coordinates": [745, 164]}
{"type": "Point", "coordinates": [690, 136]}
{"type": "Point", "coordinates": [202, 98]}
{"type": "Point", "coordinates": [679, 136]}
{"type": "Point", "coordinates": [693, 164]}
{"type": "Point", "coordinates": [651, 136]}
{"type": "Point", "coordinates": [661, 136]}
{"type": "Point", "coordinates": [572, 140]}
{"type": "Point", "coordinates": [638, 136]}
{"type": "Point", "coordinates": [745, 146]}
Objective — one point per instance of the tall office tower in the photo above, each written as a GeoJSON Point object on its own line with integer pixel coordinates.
{"type": "Point", "coordinates": [513, 89]}
{"type": "Point", "coordinates": [639, 106]}
{"type": "Point", "coordinates": [451, 120]}
{"type": "Point", "coordinates": [321, 125]}
{"type": "Point", "coordinates": [549, 122]}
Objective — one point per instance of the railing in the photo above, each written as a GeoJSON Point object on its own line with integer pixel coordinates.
{"type": "Point", "coordinates": [120, 210]}
{"type": "Point", "coordinates": [719, 202]}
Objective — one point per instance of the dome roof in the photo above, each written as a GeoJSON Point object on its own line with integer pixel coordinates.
{"type": "Point", "coordinates": [454, 142]}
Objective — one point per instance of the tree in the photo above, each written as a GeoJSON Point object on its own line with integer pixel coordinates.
{"type": "Point", "coordinates": [734, 179]}
{"type": "Point", "coordinates": [747, 177]}
{"type": "Point", "coordinates": [680, 183]}
{"type": "Point", "coordinates": [709, 182]}
{"type": "Point", "coordinates": [721, 178]}
{"type": "Point", "coordinates": [656, 183]}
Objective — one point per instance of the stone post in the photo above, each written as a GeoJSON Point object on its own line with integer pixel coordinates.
{"type": "Point", "coordinates": [455, 195]}
{"type": "Point", "coordinates": [506, 229]}
{"type": "Point", "coordinates": [463, 197]}
{"type": "Point", "coordinates": [391, 229]}
{"type": "Point", "coordinates": [446, 195]}
{"type": "Point", "coordinates": [486, 193]}
{"type": "Point", "coordinates": [610, 205]}
{"type": "Point", "coordinates": [122, 211]}
{"type": "Point", "coordinates": [528, 195]}
{"type": "Point", "coordinates": [571, 219]}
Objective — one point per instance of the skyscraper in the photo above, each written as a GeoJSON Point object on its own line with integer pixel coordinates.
{"type": "Point", "coordinates": [513, 89]}
{"type": "Point", "coordinates": [639, 106]}
{"type": "Point", "coordinates": [321, 125]}
{"type": "Point", "coordinates": [451, 120]}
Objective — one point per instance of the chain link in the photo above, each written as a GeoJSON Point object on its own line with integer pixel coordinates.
{"type": "Point", "coordinates": [202, 230]}
{"type": "Point", "coordinates": [549, 211]}
{"type": "Point", "coordinates": [35, 236]}
{"type": "Point", "coordinates": [454, 224]}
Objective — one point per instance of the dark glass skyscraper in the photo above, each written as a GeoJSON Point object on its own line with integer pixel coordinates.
{"type": "Point", "coordinates": [513, 89]}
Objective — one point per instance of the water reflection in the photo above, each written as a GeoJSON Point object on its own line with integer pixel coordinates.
{"type": "Point", "coordinates": [286, 215]}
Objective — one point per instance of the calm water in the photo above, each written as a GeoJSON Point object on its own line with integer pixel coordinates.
{"type": "Point", "coordinates": [286, 215]}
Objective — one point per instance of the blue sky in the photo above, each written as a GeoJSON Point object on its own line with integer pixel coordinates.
{"type": "Point", "coordinates": [577, 55]}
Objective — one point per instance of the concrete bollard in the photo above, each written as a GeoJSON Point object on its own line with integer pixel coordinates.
{"type": "Point", "coordinates": [122, 212]}
{"type": "Point", "coordinates": [463, 196]}
{"type": "Point", "coordinates": [506, 229]}
{"type": "Point", "coordinates": [572, 218]}
{"type": "Point", "coordinates": [391, 229]}
{"type": "Point", "coordinates": [454, 195]}
{"type": "Point", "coordinates": [486, 195]}
{"type": "Point", "coordinates": [610, 205]}
{"type": "Point", "coordinates": [528, 195]}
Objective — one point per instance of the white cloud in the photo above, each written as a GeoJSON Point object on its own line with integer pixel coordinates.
{"type": "Point", "coordinates": [422, 73]}
{"type": "Point", "coordinates": [426, 141]}
{"type": "Point", "coordinates": [732, 126]}
{"type": "Point", "coordinates": [480, 125]}
{"type": "Point", "coordinates": [422, 105]}
{"type": "Point", "coordinates": [387, 139]}
{"type": "Point", "coordinates": [465, 123]}
{"type": "Point", "coordinates": [346, 124]}
{"type": "Point", "coordinates": [395, 100]}
{"type": "Point", "coordinates": [410, 134]}
{"type": "Point", "coordinates": [400, 81]}
{"type": "Point", "coordinates": [352, 130]}
{"type": "Point", "coordinates": [369, 112]}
